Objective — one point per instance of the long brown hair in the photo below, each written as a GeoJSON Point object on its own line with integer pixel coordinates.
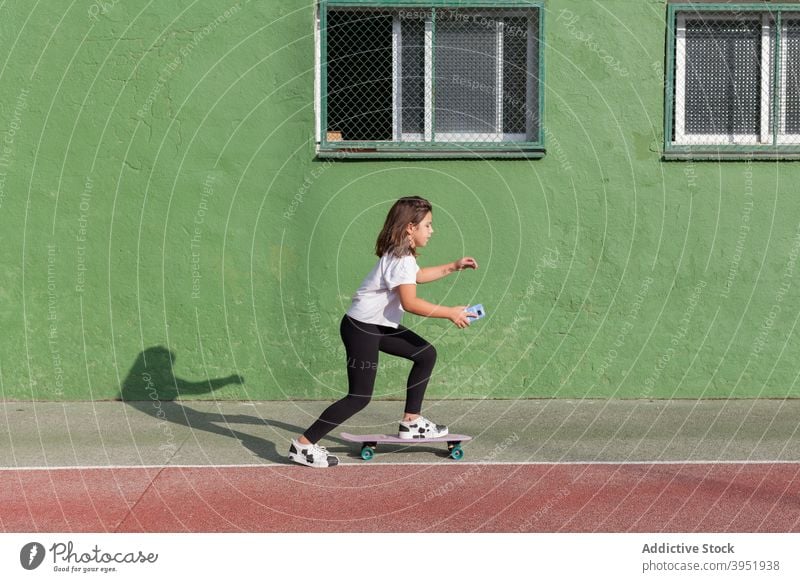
{"type": "Point", "coordinates": [393, 237]}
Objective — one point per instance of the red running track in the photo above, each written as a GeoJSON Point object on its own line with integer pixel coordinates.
{"type": "Point", "coordinates": [406, 498]}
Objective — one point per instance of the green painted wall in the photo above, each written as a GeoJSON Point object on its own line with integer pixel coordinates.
{"type": "Point", "coordinates": [159, 191]}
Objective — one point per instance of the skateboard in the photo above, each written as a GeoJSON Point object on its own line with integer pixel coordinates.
{"type": "Point", "coordinates": [369, 442]}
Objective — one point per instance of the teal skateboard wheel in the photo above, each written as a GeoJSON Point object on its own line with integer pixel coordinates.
{"type": "Point", "coordinates": [456, 452]}
{"type": "Point", "coordinates": [367, 453]}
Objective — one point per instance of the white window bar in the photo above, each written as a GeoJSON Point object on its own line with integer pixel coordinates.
{"type": "Point", "coordinates": [500, 92]}
{"type": "Point", "coordinates": [397, 79]}
{"type": "Point", "coordinates": [317, 78]}
{"type": "Point", "coordinates": [766, 69]}
{"type": "Point", "coordinates": [428, 79]}
{"type": "Point", "coordinates": [680, 80]}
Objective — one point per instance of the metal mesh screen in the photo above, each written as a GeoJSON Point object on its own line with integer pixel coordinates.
{"type": "Point", "coordinates": [435, 76]}
{"type": "Point", "coordinates": [516, 109]}
{"type": "Point", "coordinates": [737, 79]}
{"type": "Point", "coordinates": [790, 61]}
{"type": "Point", "coordinates": [723, 77]}
{"type": "Point", "coordinates": [359, 63]}
{"type": "Point", "coordinates": [467, 59]}
{"type": "Point", "coordinates": [413, 75]}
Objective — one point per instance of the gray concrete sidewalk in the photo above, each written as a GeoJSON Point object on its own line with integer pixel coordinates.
{"type": "Point", "coordinates": [37, 434]}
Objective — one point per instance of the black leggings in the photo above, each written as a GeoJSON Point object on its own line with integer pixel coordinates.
{"type": "Point", "coordinates": [362, 342]}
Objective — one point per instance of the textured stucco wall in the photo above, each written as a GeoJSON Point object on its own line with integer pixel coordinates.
{"type": "Point", "coordinates": [158, 190]}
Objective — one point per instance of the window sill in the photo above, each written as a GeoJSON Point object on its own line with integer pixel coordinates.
{"type": "Point", "coordinates": [731, 153]}
{"type": "Point", "coordinates": [416, 152]}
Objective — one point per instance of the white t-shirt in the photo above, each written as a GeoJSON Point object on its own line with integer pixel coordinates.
{"type": "Point", "coordinates": [377, 300]}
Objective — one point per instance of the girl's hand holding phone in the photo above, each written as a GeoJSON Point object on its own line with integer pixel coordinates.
{"type": "Point", "coordinates": [460, 316]}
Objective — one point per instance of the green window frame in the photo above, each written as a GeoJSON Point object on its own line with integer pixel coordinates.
{"type": "Point", "coordinates": [732, 81]}
{"type": "Point", "coordinates": [435, 78]}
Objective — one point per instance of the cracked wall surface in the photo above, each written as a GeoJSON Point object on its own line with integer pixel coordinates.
{"type": "Point", "coordinates": [159, 193]}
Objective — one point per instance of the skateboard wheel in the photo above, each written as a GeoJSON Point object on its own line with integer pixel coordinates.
{"type": "Point", "coordinates": [456, 452]}
{"type": "Point", "coordinates": [367, 453]}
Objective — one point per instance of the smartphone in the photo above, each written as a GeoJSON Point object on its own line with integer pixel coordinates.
{"type": "Point", "coordinates": [478, 310]}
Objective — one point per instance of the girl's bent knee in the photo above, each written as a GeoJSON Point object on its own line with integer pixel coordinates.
{"type": "Point", "coordinates": [427, 356]}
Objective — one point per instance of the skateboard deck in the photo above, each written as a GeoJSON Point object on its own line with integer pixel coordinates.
{"type": "Point", "coordinates": [369, 442]}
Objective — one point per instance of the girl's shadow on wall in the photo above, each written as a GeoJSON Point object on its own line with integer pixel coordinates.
{"type": "Point", "coordinates": [152, 388]}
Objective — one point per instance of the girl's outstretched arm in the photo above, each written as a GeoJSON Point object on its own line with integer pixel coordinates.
{"type": "Point", "coordinates": [418, 306]}
{"type": "Point", "coordinates": [428, 274]}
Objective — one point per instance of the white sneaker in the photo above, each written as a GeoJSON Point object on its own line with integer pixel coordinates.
{"type": "Point", "coordinates": [421, 428]}
{"type": "Point", "coordinates": [311, 455]}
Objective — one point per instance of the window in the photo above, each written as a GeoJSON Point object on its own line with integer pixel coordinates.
{"type": "Point", "coordinates": [733, 80]}
{"type": "Point", "coordinates": [429, 79]}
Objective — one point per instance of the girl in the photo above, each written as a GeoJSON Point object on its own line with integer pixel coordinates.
{"type": "Point", "coordinates": [372, 325]}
